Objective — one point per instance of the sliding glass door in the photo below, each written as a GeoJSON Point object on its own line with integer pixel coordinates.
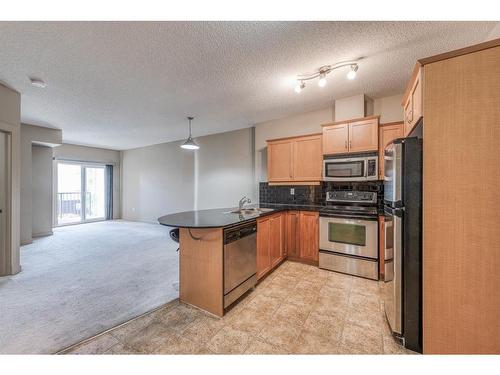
{"type": "Point", "coordinates": [81, 195]}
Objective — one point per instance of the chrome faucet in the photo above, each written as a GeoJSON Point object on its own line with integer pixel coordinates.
{"type": "Point", "coordinates": [243, 201]}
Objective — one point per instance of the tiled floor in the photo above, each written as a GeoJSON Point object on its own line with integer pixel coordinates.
{"type": "Point", "coordinates": [299, 309]}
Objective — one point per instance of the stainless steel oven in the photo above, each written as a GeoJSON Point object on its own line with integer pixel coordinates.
{"type": "Point", "coordinates": [359, 168]}
{"type": "Point", "coordinates": [348, 233]}
{"type": "Point", "coordinates": [349, 236]}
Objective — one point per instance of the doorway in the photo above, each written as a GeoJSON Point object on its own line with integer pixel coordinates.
{"type": "Point", "coordinates": [81, 193]}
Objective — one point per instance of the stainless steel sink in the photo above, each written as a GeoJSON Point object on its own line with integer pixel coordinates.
{"type": "Point", "coordinates": [250, 211]}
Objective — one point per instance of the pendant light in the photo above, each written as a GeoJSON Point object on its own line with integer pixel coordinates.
{"type": "Point", "coordinates": [190, 144]}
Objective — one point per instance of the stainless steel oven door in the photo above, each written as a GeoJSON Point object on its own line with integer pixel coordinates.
{"type": "Point", "coordinates": [393, 268]}
{"type": "Point", "coordinates": [352, 169]}
{"type": "Point", "coordinates": [393, 173]}
{"type": "Point", "coordinates": [349, 236]}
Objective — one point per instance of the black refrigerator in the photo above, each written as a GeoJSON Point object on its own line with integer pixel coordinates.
{"type": "Point", "coordinates": [403, 238]}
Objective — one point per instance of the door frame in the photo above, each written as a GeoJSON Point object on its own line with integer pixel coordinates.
{"type": "Point", "coordinates": [82, 165]}
{"type": "Point", "coordinates": [10, 258]}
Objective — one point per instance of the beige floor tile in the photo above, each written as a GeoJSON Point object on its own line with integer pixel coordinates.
{"type": "Point", "coordinates": [178, 317]}
{"type": "Point", "coordinates": [132, 326]}
{"type": "Point", "coordinates": [280, 333]}
{"type": "Point", "coordinates": [149, 339]}
{"type": "Point", "coordinates": [98, 345]}
{"type": "Point", "coordinates": [259, 346]}
{"type": "Point", "coordinates": [120, 349]}
{"type": "Point", "coordinates": [294, 313]}
{"type": "Point", "coordinates": [337, 294]}
{"type": "Point", "coordinates": [366, 318]}
{"type": "Point", "coordinates": [334, 306]}
{"type": "Point", "coordinates": [264, 304]}
{"type": "Point", "coordinates": [361, 340]}
{"type": "Point", "coordinates": [176, 344]}
{"type": "Point", "coordinates": [203, 328]}
{"type": "Point", "coordinates": [250, 321]}
{"type": "Point", "coordinates": [229, 341]}
{"type": "Point", "coordinates": [328, 326]}
{"type": "Point", "coordinates": [312, 342]}
{"type": "Point", "coordinates": [366, 287]}
{"type": "Point", "coordinates": [363, 302]}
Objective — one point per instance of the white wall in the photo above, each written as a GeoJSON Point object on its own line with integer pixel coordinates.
{"type": "Point", "coordinates": [224, 169]}
{"type": "Point", "coordinates": [349, 108]}
{"type": "Point", "coordinates": [157, 180]}
{"type": "Point", "coordinates": [163, 179]}
{"type": "Point", "coordinates": [389, 108]}
{"type": "Point", "coordinates": [42, 192]}
{"type": "Point", "coordinates": [96, 155]}
{"type": "Point", "coordinates": [32, 134]}
{"type": "Point", "coordinates": [10, 121]}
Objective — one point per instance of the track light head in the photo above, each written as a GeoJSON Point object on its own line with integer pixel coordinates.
{"type": "Point", "coordinates": [300, 86]}
{"type": "Point", "coordinates": [352, 73]}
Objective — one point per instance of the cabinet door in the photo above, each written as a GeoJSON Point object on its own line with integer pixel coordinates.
{"type": "Point", "coordinates": [263, 248]}
{"type": "Point", "coordinates": [309, 235]}
{"type": "Point", "coordinates": [276, 235]}
{"type": "Point", "coordinates": [416, 99]}
{"type": "Point", "coordinates": [292, 234]}
{"type": "Point", "coordinates": [279, 160]}
{"type": "Point", "coordinates": [336, 139]}
{"type": "Point", "coordinates": [363, 135]}
{"type": "Point", "coordinates": [307, 159]}
{"type": "Point", "coordinates": [386, 135]}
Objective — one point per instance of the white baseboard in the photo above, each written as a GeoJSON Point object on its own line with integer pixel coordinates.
{"type": "Point", "coordinates": [43, 234]}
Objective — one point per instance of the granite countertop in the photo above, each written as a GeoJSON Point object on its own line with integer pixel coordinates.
{"type": "Point", "coordinates": [220, 217]}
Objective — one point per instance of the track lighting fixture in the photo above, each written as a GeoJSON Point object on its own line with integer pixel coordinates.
{"type": "Point", "coordinates": [322, 72]}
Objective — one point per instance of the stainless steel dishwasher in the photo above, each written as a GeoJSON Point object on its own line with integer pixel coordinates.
{"type": "Point", "coordinates": [240, 260]}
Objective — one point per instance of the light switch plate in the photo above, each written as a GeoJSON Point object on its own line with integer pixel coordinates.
{"type": "Point", "coordinates": [292, 191]}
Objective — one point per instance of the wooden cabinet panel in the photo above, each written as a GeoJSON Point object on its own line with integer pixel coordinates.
{"type": "Point", "coordinates": [280, 156]}
{"type": "Point", "coordinates": [292, 234]}
{"type": "Point", "coordinates": [263, 246]}
{"type": "Point", "coordinates": [363, 135]}
{"type": "Point", "coordinates": [387, 133]}
{"type": "Point", "coordinates": [276, 238]}
{"type": "Point", "coordinates": [307, 160]}
{"type": "Point", "coordinates": [336, 139]}
{"type": "Point", "coordinates": [309, 235]}
{"type": "Point", "coordinates": [412, 102]}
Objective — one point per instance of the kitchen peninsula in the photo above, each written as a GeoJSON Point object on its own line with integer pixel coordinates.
{"type": "Point", "coordinates": [217, 261]}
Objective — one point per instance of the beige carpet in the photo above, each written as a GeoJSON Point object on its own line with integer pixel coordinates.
{"type": "Point", "coordinates": [83, 280]}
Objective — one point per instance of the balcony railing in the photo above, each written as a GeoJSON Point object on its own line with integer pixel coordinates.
{"type": "Point", "coordinates": [69, 206]}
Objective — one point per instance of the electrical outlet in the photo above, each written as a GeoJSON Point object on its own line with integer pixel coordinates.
{"type": "Point", "coordinates": [292, 191]}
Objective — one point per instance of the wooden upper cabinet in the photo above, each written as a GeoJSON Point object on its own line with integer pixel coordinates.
{"type": "Point", "coordinates": [279, 160]}
{"type": "Point", "coordinates": [412, 100]}
{"type": "Point", "coordinates": [263, 246]}
{"type": "Point", "coordinates": [336, 139]}
{"type": "Point", "coordinates": [292, 234]}
{"type": "Point", "coordinates": [358, 135]}
{"type": "Point", "coordinates": [307, 158]}
{"type": "Point", "coordinates": [276, 238]}
{"type": "Point", "coordinates": [387, 133]}
{"type": "Point", "coordinates": [309, 235]}
{"type": "Point", "coordinates": [363, 135]}
{"type": "Point", "coordinates": [295, 160]}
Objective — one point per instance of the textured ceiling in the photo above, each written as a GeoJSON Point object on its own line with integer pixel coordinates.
{"type": "Point", "coordinates": [122, 85]}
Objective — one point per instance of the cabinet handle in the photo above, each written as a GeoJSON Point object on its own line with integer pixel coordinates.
{"type": "Point", "coordinates": [350, 144]}
{"type": "Point", "coordinates": [345, 144]}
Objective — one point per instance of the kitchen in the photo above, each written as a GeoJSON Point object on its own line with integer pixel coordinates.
{"type": "Point", "coordinates": [251, 207]}
{"type": "Point", "coordinates": [360, 213]}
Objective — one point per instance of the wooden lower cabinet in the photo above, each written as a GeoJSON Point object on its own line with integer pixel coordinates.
{"type": "Point", "coordinates": [276, 238]}
{"type": "Point", "coordinates": [270, 242]}
{"type": "Point", "coordinates": [292, 234]}
{"type": "Point", "coordinates": [309, 235]}
{"type": "Point", "coordinates": [263, 246]}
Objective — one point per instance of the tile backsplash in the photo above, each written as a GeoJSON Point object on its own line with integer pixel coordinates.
{"type": "Point", "coordinates": [313, 194]}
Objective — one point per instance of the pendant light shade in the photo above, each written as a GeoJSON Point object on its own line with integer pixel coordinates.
{"type": "Point", "coordinates": [190, 144]}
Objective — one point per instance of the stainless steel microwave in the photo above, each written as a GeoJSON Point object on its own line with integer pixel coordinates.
{"type": "Point", "coordinates": [359, 168]}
